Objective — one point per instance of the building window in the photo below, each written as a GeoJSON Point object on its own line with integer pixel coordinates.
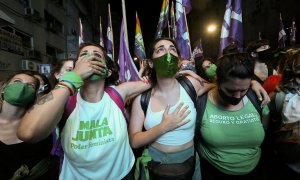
{"type": "Point", "coordinates": [54, 53]}
{"type": "Point", "coordinates": [15, 41]}
{"type": "Point", "coordinates": [58, 2]}
{"type": "Point", "coordinates": [8, 28]}
{"type": "Point", "coordinates": [26, 39]}
{"type": "Point", "coordinates": [26, 3]}
{"type": "Point", "coordinates": [53, 24]}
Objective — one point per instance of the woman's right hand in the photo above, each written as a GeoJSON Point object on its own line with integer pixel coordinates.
{"type": "Point", "coordinates": [175, 119]}
{"type": "Point", "coordinates": [86, 66]}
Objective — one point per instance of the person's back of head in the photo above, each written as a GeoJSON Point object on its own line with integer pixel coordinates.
{"type": "Point", "coordinates": [253, 45]}
{"type": "Point", "coordinates": [231, 48]}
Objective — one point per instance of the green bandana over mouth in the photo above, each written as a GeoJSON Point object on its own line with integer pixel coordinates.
{"type": "Point", "coordinates": [19, 94]}
{"type": "Point", "coordinates": [211, 71]}
{"type": "Point", "coordinates": [166, 65]}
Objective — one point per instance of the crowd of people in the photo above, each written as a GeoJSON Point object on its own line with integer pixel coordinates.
{"type": "Point", "coordinates": [231, 118]}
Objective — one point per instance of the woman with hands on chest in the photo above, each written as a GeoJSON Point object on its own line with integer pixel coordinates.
{"type": "Point", "coordinates": [170, 117]}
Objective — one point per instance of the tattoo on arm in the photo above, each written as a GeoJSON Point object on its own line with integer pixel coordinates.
{"type": "Point", "coordinates": [42, 100]}
{"type": "Point", "coordinates": [45, 98]}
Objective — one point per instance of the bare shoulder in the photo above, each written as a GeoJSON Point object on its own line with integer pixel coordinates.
{"type": "Point", "coordinates": [195, 82]}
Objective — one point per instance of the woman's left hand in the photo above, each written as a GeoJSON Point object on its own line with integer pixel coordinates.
{"type": "Point", "coordinates": [145, 79]}
{"type": "Point", "coordinates": [260, 92]}
{"type": "Point", "coordinates": [143, 64]}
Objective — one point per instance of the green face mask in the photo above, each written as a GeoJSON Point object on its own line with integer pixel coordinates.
{"type": "Point", "coordinates": [19, 94]}
{"type": "Point", "coordinates": [166, 65]}
{"type": "Point", "coordinates": [98, 76]}
{"type": "Point", "coordinates": [211, 71]}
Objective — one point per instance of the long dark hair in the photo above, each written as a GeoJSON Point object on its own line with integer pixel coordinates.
{"type": "Point", "coordinates": [200, 70]}
{"type": "Point", "coordinates": [56, 69]}
{"type": "Point", "coordinates": [46, 81]}
{"type": "Point", "coordinates": [150, 72]}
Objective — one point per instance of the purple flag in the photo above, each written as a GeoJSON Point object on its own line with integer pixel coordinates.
{"type": "Point", "coordinates": [198, 51]}
{"type": "Point", "coordinates": [187, 5]}
{"type": "Point", "coordinates": [293, 34]}
{"type": "Point", "coordinates": [281, 35]}
{"type": "Point", "coordinates": [109, 36]}
{"type": "Point", "coordinates": [182, 37]}
{"type": "Point", "coordinates": [128, 71]}
{"type": "Point", "coordinates": [232, 28]}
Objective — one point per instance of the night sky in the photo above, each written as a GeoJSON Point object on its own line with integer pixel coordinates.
{"type": "Point", "coordinates": [148, 12]}
{"type": "Point", "coordinates": [258, 16]}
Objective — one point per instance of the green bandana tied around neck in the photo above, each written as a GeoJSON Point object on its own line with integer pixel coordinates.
{"type": "Point", "coordinates": [166, 65]}
{"type": "Point", "coordinates": [19, 94]}
{"type": "Point", "coordinates": [211, 71]}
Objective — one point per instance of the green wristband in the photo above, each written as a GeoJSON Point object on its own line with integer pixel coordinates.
{"type": "Point", "coordinates": [74, 78]}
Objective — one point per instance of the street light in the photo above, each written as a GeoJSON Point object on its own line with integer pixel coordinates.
{"type": "Point", "coordinates": [211, 28]}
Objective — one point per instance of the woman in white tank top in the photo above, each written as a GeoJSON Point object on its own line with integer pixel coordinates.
{"type": "Point", "coordinates": [171, 115]}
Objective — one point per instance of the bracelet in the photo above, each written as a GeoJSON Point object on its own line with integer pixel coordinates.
{"type": "Point", "coordinates": [67, 85]}
{"type": "Point", "coordinates": [62, 86]}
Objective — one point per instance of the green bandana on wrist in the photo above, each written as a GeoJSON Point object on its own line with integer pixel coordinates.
{"type": "Point", "coordinates": [166, 65]}
{"type": "Point", "coordinates": [74, 78]}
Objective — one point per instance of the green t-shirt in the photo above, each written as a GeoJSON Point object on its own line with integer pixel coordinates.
{"type": "Point", "coordinates": [231, 139]}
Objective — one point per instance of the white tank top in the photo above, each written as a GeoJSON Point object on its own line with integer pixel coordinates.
{"type": "Point", "coordinates": [180, 135]}
{"type": "Point", "coordinates": [95, 142]}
